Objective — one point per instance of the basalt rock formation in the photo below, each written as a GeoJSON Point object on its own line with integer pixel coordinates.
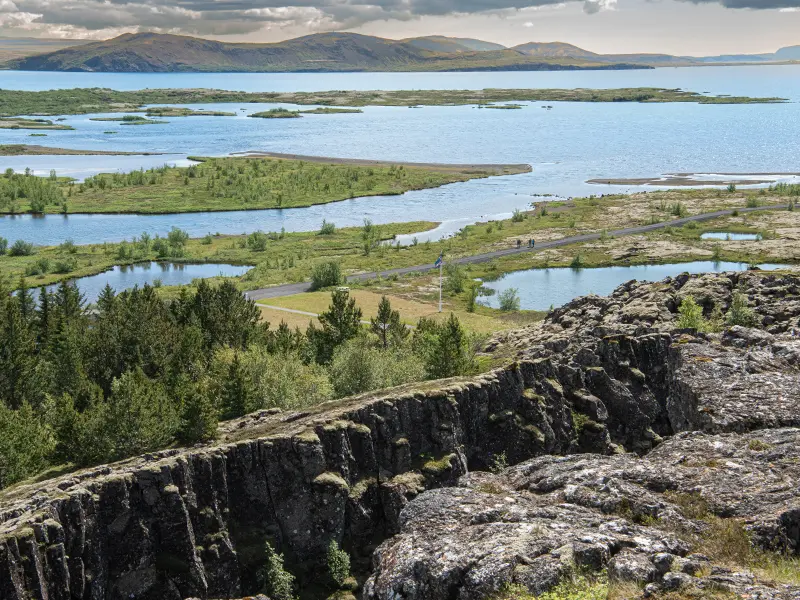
{"type": "Point", "coordinates": [627, 426]}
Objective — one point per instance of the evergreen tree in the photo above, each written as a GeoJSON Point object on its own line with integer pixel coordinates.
{"type": "Point", "coordinates": [27, 305]}
{"type": "Point", "coordinates": [17, 355]}
{"type": "Point", "coordinates": [238, 393]}
{"type": "Point", "coordinates": [199, 416]}
{"type": "Point", "coordinates": [341, 322]}
{"type": "Point", "coordinates": [44, 319]}
{"type": "Point", "coordinates": [388, 326]}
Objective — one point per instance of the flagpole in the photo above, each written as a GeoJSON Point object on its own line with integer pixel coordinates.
{"type": "Point", "coordinates": [440, 285]}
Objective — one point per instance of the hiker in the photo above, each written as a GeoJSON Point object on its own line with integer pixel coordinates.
{"type": "Point", "coordinates": [519, 243]}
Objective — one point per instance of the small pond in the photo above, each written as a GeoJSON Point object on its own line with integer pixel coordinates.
{"type": "Point", "coordinates": [125, 277]}
{"type": "Point", "coordinates": [541, 288]}
{"type": "Point", "coordinates": [730, 237]}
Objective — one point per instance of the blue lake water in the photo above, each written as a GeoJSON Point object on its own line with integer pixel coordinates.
{"type": "Point", "coordinates": [539, 289]}
{"type": "Point", "coordinates": [566, 146]}
{"type": "Point", "coordinates": [733, 237]}
{"type": "Point", "coordinates": [125, 277]}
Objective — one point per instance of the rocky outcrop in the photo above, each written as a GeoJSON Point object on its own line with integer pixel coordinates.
{"type": "Point", "coordinates": [599, 378]}
{"type": "Point", "coordinates": [546, 519]}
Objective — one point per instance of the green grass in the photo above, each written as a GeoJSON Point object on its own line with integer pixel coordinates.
{"type": "Point", "coordinates": [95, 100]}
{"type": "Point", "coordinates": [238, 184]}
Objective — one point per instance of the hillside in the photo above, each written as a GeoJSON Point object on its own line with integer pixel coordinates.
{"type": "Point", "coordinates": [440, 43]}
{"type": "Point", "coordinates": [150, 52]}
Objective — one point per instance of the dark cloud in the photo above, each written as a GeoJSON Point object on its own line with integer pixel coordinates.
{"type": "Point", "coordinates": [229, 17]}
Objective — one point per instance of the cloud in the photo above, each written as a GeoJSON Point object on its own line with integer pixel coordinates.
{"type": "Point", "coordinates": [783, 5]}
{"type": "Point", "coordinates": [98, 18]}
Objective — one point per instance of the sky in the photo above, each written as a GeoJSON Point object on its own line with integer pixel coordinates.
{"type": "Point", "coordinates": [685, 27]}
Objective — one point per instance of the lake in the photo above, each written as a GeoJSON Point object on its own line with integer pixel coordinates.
{"type": "Point", "coordinates": [125, 277]}
{"type": "Point", "coordinates": [566, 146]}
{"type": "Point", "coordinates": [539, 289]}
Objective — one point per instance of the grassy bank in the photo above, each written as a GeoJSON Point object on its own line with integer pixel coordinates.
{"type": "Point", "coordinates": [229, 184]}
{"type": "Point", "coordinates": [94, 100]}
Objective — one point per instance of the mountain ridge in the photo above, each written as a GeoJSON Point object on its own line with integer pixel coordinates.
{"type": "Point", "coordinates": [347, 52]}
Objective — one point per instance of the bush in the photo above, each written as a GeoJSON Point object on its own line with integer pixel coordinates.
{"type": "Point", "coordinates": [68, 247]}
{"type": "Point", "coordinates": [40, 267]}
{"type": "Point", "coordinates": [358, 367]}
{"type": "Point", "coordinates": [67, 265]}
{"type": "Point", "coordinates": [257, 241]}
{"type": "Point", "coordinates": [275, 580]}
{"type": "Point", "coordinates": [327, 228]}
{"type": "Point", "coordinates": [3, 245]}
{"type": "Point", "coordinates": [509, 300]}
{"type": "Point", "coordinates": [338, 564]}
{"type": "Point", "coordinates": [456, 278]}
{"type": "Point", "coordinates": [518, 216]}
{"type": "Point", "coordinates": [326, 274]}
{"type": "Point", "coordinates": [753, 202]}
{"type": "Point", "coordinates": [207, 239]}
{"type": "Point", "coordinates": [577, 262]}
{"type": "Point", "coordinates": [177, 237]}
{"type": "Point", "coordinates": [690, 315]}
{"type": "Point", "coordinates": [731, 188]}
{"type": "Point", "coordinates": [21, 248]}
{"type": "Point", "coordinates": [740, 313]}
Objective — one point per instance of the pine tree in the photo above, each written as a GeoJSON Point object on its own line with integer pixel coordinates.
{"type": "Point", "coordinates": [388, 326]}
{"type": "Point", "coordinates": [341, 322]}
{"type": "Point", "coordinates": [17, 355]}
{"type": "Point", "coordinates": [237, 391]}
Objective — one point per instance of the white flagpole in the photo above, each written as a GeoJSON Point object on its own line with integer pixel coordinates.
{"type": "Point", "coordinates": [440, 285]}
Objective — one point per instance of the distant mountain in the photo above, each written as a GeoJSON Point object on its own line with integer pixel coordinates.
{"type": "Point", "coordinates": [440, 43]}
{"type": "Point", "coordinates": [788, 53]}
{"type": "Point", "coordinates": [151, 52]}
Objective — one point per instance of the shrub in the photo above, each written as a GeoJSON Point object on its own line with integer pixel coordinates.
{"type": "Point", "coordinates": [456, 278]}
{"type": "Point", "coordinates": [731, 188]}
{"type": "Point", "coordinates": [40, 267]}
{"type": "Point", "coordinates": [327, 228]}
{"type": "Point", "coordinates": [338, 564]}
{"type": "Point", "coordinates": [207, 239]}
{"type": "Point", "coordinates": [21, 248]}
{"type": "Point", "coordinates": [518, 216]}
{"type": "Point", "coordinates": [577, 262]}
{"type": "Point", "coordinates": [257, 241]}
{"type": "Point", "coordinates": [326, 274]}
{"type": "Point", "coordinates": [68, 246]}
{"type": "Point", "coordinates": [67, 265]}
{"type": "Point", "coordinates": [509, 300]}
{"type": "Point", "coordinates": [358, 367]}
{"type": "Point", "coordinates": [275, 580]}
{"type": "Point", "coordinates": [3, 245]}
{"type": "Point", "coordinates": [740, 313]}
{"type": "Point", "coordinates": [753, 202]}
{"type": "Point", "coordinates": [690, 315]}
{"type": "Point", "coordinates": [177, 237]}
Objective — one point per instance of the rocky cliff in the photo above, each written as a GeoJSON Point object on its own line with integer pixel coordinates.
{"type": "Point", "coordinates": [603, 382]}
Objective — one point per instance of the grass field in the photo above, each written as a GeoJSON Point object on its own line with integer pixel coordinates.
{"type": "Point", "coordinates": [241, 183]}
{"type": "Point", "coordinates": [411, 311]}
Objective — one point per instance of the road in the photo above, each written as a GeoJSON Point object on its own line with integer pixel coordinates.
{"type": "Point", "coordinates": [290, 289]}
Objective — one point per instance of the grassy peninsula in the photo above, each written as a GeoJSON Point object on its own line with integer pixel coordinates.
{"type": "Point", "coordinates": [36, 150]}
{"type": "Point", "coordinates": [19, 123]}
{"type": "Point", "coordinates": [97, 100]}
{"type": "Point", "coordinates": [241, 183]}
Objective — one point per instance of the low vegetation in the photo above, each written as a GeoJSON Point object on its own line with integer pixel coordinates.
{"type": "Point", "coordinates": [93, 100]}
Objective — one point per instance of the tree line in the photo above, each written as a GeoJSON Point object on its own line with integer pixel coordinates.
{"type": "Point", "coordinates": [91, 384]}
